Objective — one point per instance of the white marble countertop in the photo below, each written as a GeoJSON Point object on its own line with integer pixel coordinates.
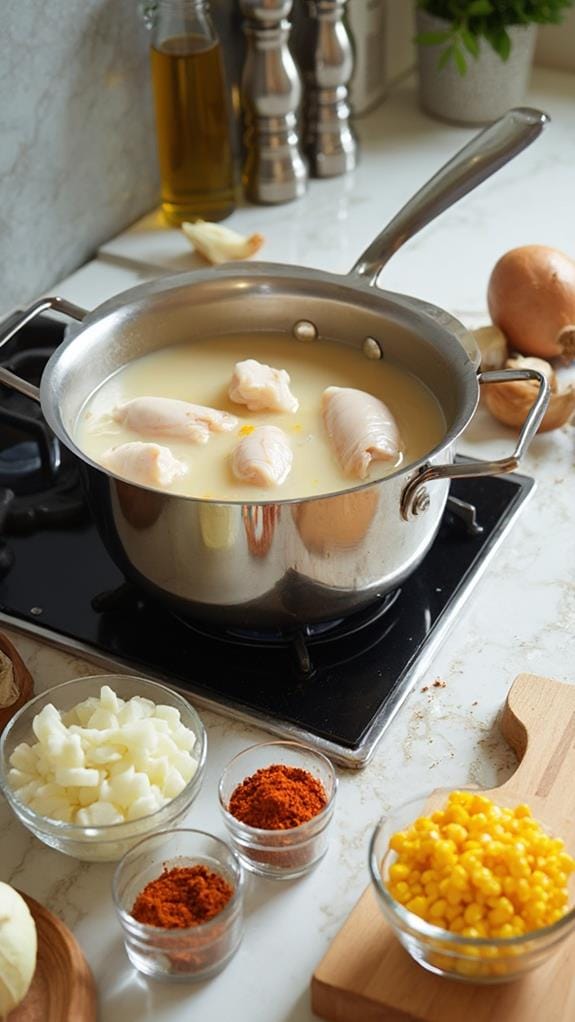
{"type": "Point", "coordinates": [520, 617]}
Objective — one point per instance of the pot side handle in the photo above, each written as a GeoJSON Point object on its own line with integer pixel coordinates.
{"type": "Point", "coordinates": [491, 149]}
{"type": "Point", "coordinates": [20, 320]}
{"type": "Point", "coordinates": [414, 498]}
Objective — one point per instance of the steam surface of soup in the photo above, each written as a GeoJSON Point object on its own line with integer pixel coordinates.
{"type": "Point", "coordinates": [200, 372]}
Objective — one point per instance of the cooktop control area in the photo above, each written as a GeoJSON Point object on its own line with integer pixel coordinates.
{"type": "Point", "coordinates": [336, 685]}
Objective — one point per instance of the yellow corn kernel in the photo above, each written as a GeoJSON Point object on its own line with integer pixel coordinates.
{"type": "Point", "coordinates": [432, 890]}
{"type": "Point", "coordinates": [444, 854]}
{"type": "Point", "coordinates": [456, 925]}
{"type": "Point", "coordinates": [437, 910]}
{"type": "Point", "coordinates": [398, 841]}
{"type": "Point", "coordinates": [463, 798]}
{"type": "Point", "coordinates": [423, 823]}
{"type": "Point", "coordinates": [459, 877]}
{"type": "Point", "coordinates": [402, 891]}
{"type": "Point", "coordinates": [473, 913]}
{"type": "Point", "coordinates": [456, 832]}
{"type": "Point", "coordinates": [418, 905]}
{"type": "Point", "coordinates": [399, 871]}
{"type": "Point", "coordinates": [480, 804]}
{"type": "Point", "coordinates": [521, 810]}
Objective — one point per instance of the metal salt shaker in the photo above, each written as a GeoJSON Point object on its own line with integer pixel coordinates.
{"type": "Point", "coordinates": [327, 61]}
{"type": "Point", "coordinates": [274, 170]}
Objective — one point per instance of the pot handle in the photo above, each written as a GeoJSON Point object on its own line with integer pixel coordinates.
{"type": "Point", "coordinates": [491, 149]}
{"type": "Point", "coordinates": [17, 322]}
{"type": "Point", "coordinates": [415, 499]}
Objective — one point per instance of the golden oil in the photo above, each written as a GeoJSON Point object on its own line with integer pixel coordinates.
{"type": "Point", "coordinates": [193, 129]}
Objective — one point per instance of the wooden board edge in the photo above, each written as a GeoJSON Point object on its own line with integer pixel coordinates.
{"type": "Point", "coordinates": [338, 1005]}
{"type": "Point", "coordinates": [83, 1003]}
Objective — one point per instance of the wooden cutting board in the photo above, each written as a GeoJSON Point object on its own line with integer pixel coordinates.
{"type": "Point", "coordinates": [22, 677]}
{"type": "Point", "coordinates": [63, 988]}
{"type": "Point", "coordinates": [366, 976]}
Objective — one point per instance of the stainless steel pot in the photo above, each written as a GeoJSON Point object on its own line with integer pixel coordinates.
{"type": "Point", "coordinates": [277, 564]}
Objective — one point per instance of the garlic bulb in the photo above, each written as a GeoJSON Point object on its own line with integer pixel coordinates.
{"type": "Point", "coordinates": [510, 402]}
{"type": "Point", "coordinates": [217, 244]}
{"type": "Point", "coordinates": [492, 344]}
{"type": "Point", "coordinates": [17, 949]}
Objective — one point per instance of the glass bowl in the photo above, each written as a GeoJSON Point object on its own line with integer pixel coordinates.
{"type": "Point", "coordinates": [180, 955]}
{"type": "Point", "coordinates": [99, 843]}
{"type": "Point", "coordinates": [279, 854]}
{"type": "Point", "coordinates": [469, 959]}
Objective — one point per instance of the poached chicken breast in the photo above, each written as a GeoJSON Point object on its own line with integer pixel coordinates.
{"type": "Point", "coordinates": [168, 417]}
{"type": "Point", "coordinates": [262, 388]}
{"type": "Point", "coordinates": [263, 458]}
{"type": "Point", "coordinates": [361, 429]}
{"type": "Point", "coordinates": [148, 464]}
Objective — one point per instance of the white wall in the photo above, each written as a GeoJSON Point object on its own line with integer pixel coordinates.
{"type": "Point", "coordinates": [556, 45]}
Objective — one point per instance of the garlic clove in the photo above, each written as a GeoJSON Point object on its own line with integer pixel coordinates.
{"type": "Point", "coordinates": [531, 362]}
{"type": "Point", "coordinates": [218, 244]}
{"type": "Point", "coordinates": [492, 344]}
{"type": "Point", "coordinates": [510, 403]}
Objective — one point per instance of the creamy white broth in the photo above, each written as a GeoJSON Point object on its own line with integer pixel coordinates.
{"type": "Point", "coordinates": [200, 372]}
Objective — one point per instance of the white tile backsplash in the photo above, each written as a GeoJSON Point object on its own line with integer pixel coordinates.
{"type": "Point", "coordinates": [77, 142]}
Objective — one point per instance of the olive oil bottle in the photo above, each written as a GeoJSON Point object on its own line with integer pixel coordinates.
{"type": "Point", "coordinates": [193, 120]}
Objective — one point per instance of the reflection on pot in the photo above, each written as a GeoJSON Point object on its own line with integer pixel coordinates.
{"type": "Point", "coordinates": [141, 508]}
{"type": "Point", "coordinates": [260, 521]}
{"type": "Point", "coordinates": [336, 523]}
{"type": "Point", "coordinates": [218, 525]}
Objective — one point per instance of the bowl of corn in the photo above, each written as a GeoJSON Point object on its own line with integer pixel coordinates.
{"type": "Point", "coordinates": [475, 890]}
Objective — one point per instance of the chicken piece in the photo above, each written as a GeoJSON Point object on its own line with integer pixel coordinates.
{"type": "Point", "coordinates": [361, 429]}
{"type": "Point", "coordinates": [168, 417]}
{"type": "Point", "coordinates": [264, 458]}
{"type": "Point", "coordinates": [262, 388]}
{"type": "Point", "coordinates": [148, 464]}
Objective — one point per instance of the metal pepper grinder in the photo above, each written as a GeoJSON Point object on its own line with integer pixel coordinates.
{"type": "Point", "coordinates": [274, 169]}
{"type": "Point", "coordinates": [327, 61]}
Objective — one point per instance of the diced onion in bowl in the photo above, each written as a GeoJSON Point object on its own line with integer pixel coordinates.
{"type": "Point", "coordinates": [105, 761]}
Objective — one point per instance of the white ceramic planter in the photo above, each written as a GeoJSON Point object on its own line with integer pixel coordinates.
{"type": "Point", "coordinates": [489, 88]}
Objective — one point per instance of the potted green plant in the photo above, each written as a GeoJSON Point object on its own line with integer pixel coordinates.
{"type": "Point", "coordinates": [474, 56]}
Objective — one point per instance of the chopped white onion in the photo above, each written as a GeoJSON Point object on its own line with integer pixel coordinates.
{"type": "Point", "coordinates": [107, 760]}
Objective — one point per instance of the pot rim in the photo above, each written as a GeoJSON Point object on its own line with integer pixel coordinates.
{"type": "Point", "coordinates": [454, 332]}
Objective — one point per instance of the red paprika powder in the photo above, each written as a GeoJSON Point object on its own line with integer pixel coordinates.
{"type": "Point", "coordinates": [182, 897]}
{"type": "Point", "coordinates": [278, 797]}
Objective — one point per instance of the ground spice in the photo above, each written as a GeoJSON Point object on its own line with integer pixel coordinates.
{"type": "Point", "coordinates": [278, 797]}
{"type": "Point", "coordinates": [182, 897]}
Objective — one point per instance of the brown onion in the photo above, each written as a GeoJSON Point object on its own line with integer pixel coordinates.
{"type": "Point", "coordinates": [531, 297]}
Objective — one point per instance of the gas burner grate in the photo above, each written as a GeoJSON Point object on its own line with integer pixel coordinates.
{"type": "Point", "coordinates": [40, 485]}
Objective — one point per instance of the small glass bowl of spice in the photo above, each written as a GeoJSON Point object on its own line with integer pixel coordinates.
{"type": "Point", "coordinates": [179, 899]}
{"type": "Point", "coordinates": [277, 801]}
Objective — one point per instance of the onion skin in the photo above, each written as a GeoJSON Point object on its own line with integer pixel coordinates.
{"type": "Point", "coordinates": [510, 404]}
{"type": "Point", "coordinates": [531, 297]}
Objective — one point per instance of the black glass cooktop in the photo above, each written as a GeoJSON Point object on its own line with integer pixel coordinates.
{"type": "Point", "coordinates": [354, 683]}
{"type": "Point", "coordinates": [335, 686]}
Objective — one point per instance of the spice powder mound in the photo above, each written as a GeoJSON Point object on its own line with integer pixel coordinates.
{"type": "Point", "coordinates": [278, 797]}
{"type": "Point", "coordinates": [182, 897]}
